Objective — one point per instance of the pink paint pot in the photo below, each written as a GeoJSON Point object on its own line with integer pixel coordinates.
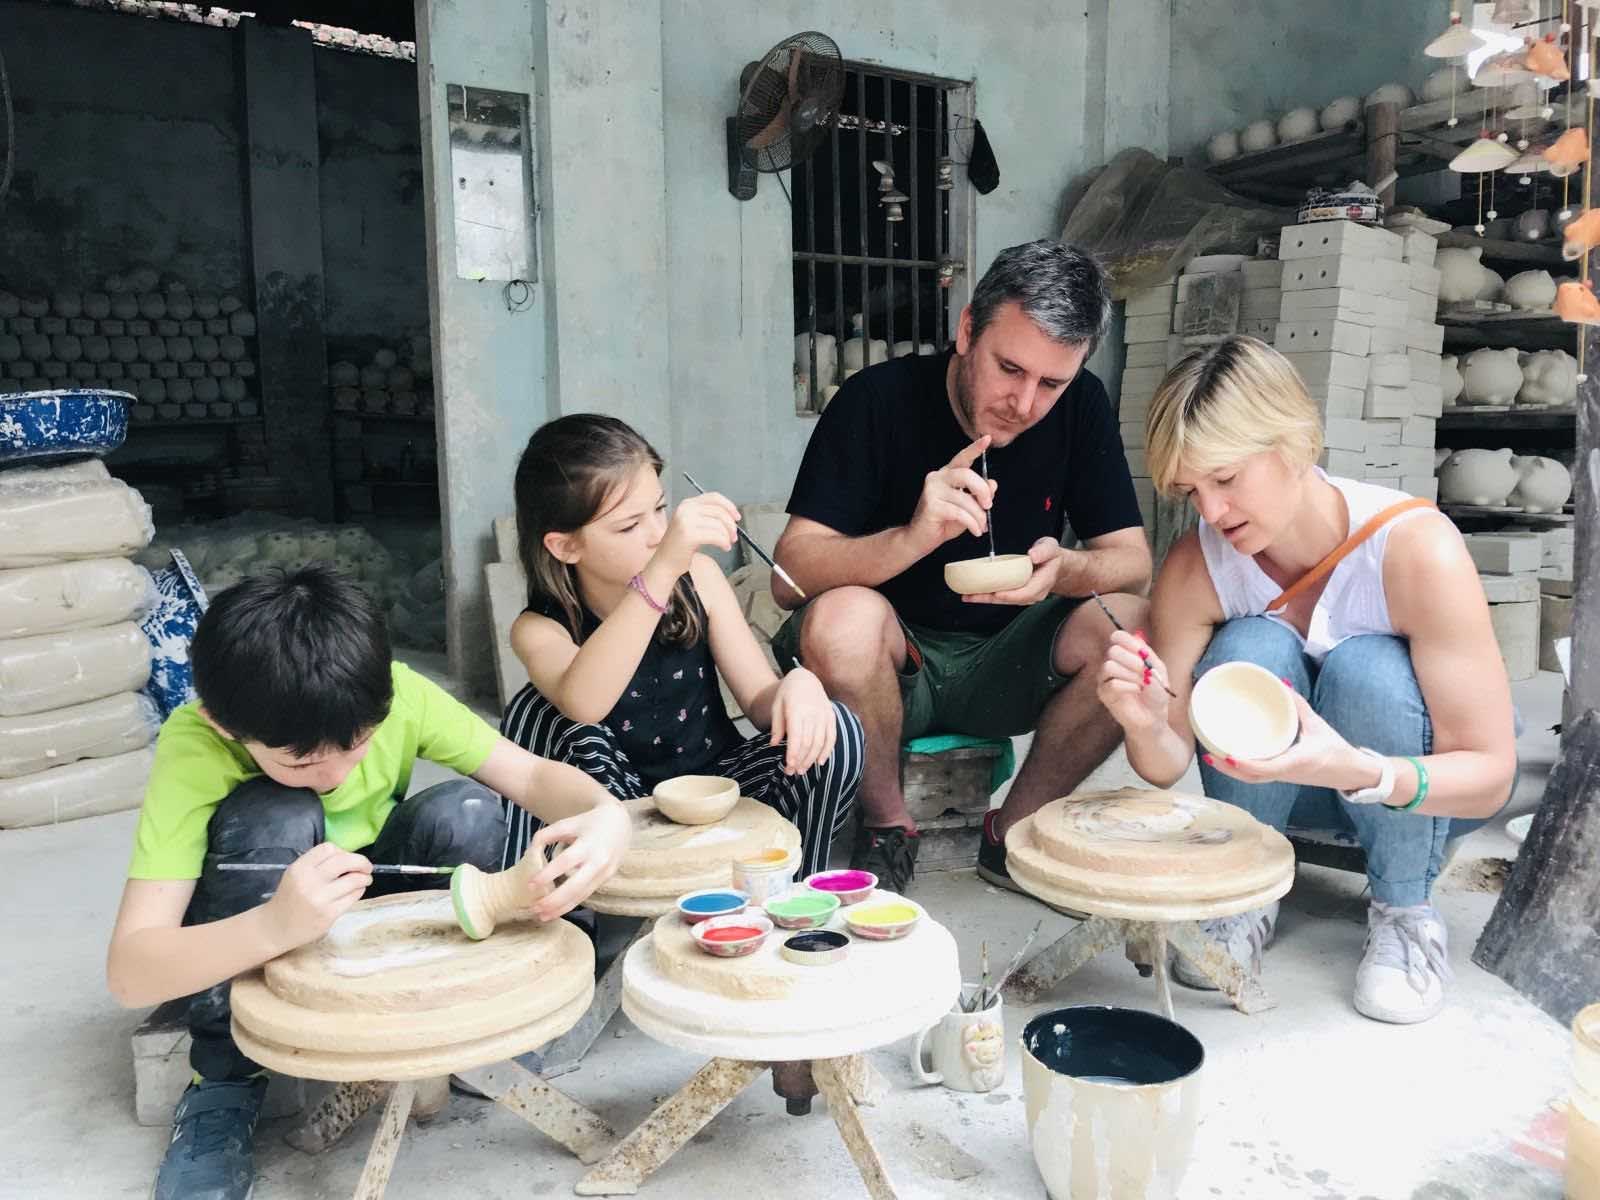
{"type": "Point", "coordinates": [851, 887]}
{"type": "Point", "coordinates": [732, 936]}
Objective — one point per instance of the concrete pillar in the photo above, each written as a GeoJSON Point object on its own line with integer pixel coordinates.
{"type": "Point", "coordinates": [284, 214]}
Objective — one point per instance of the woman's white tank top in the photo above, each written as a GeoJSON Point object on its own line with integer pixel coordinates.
{"type": "Point", "coordinates": [1353, 602]}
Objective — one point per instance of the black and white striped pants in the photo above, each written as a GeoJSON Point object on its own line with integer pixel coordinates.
{"type": "Point", "coordinates": [818, 801]}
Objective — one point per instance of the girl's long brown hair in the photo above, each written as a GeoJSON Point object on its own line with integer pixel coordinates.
{"type": "Point", "coordinates": [569, 468]}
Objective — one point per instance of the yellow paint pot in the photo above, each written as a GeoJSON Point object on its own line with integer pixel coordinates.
{"type": "Point", "coordinates": [882, 920]}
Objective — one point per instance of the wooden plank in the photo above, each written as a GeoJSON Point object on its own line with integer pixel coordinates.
{"type": "Point", "coordinates": [1536, 254]}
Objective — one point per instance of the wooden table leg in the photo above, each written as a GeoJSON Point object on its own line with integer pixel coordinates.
{"type": "Point", "coordinates": [554, 1114]}
{"type": "Point", "coordinates": [831, 1075]}
{"type": "Point", "coordinates": [665, 1131]}
{"type": "Point", "coordinates": [861, 1078]}
{"type": "Point", "coordinates": [1060, 959]}
{"type": "Point", "coordinates": [332, 1118]}
{"type": "Point", "coordinates": [1209, 957]}
{"type": "Point", "coordinates": [386, 1143]}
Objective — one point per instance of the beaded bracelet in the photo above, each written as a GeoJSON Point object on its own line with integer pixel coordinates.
{"type": "Point", "coordinates": [637, 584]}
{"type": "Point", "coordinates": [1422, 786]}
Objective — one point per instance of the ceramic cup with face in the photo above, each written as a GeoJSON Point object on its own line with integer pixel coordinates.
{"type": "Point", "coordinates": [965, 1051]}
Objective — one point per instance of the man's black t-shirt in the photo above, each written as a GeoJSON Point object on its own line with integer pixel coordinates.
{"type": "Point", "coordinates": [891, 424]}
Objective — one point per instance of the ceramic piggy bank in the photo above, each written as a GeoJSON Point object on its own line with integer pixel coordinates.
{"type": "Point", "coordinates": [1462, 275]}
{"type": "Point", "coordinates": [1477, 477]}
{"type": "Point", "coordinates": [1450, 379]}
{"type": "Point", "coordinates": [1549, 379]}
{"type": "Point", "coordinates": [1530, 290]}
{"type": "Point", "coordinates": [1490, 377]}
{"type": "Point", "coordinates": [1543, 484]}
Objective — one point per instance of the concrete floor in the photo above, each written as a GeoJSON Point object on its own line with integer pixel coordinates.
{"type": "Point", "coordinates": [1307, 1100]}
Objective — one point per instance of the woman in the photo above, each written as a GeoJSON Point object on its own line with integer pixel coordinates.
{"type": "Point", "coordinates": [1405, 709]}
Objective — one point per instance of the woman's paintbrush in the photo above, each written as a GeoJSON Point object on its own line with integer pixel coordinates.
{"type": "Point", "coordinates": [756, 546]}
{"type": "Point", "coordinates": [1112, 617]}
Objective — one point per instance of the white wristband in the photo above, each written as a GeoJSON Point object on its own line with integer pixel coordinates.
{"type": "Point", "coordinates": [1381, 790]}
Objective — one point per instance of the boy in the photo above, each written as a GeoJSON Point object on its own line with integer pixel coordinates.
{"type": "Point", "coordinates": [300, 750]}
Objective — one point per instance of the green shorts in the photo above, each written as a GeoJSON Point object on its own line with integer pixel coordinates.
{"type": "Point", "coordinates": [992, 685]}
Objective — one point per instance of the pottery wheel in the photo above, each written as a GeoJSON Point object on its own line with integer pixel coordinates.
{"type": "Point", "coordinates": [396, 991]}
{"type": "Point", "coordinates": [666, 859]}
{"type": "Point", "coordinates": [1144, 854]}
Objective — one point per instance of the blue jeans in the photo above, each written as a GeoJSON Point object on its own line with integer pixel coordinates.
{"type": "Point", "coordinates": [1367, 690]}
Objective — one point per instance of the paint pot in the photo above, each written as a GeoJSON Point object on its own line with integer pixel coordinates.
{"type": "Point", "coordinates": [732, 936]}
{"type": "Point", "coordinates": [882, 919]}
{"type": "Point", "coordinates": [802, 908]}
{"type": "Point", "coordinates": [1113, 1098]}
{"type": "Point", "coordinates": [695, 907]}
{"type": "Point", "coordinates": [1583, 1114]}
{"type": "Point", "coordinates": [965, 1051]}
{"type": "Point", "coordinates": [766, 874]}
{"type": "Point", "coordinates": [1243, 711]}
{"type": "Point", "coordinates": [851, 887]}
{"type": "Point", "coordinates": [817, 948]}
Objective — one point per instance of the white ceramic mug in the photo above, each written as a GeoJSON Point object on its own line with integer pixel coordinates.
{"type": "Point", "coordinates": [966, 1050]}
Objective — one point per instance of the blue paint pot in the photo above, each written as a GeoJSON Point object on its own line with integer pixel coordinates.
{"type": "Point", "coordinates": [38, 426]}
{"type": "Point", "coordinates": [170, 628]}
{"type": "Point", "coordinates": [712, 902]}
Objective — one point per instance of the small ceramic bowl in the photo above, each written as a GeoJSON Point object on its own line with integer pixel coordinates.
{"type": "Point", "coordinates": [1516, 828]}
{"type": "Point", "coordinates": [802, 908]}
{"type": "Point", "coordinates": [882, 918]}
{"type": "Point", "coordinates": [732, 937]}
{"type": "Point", "coordinates": [695, 907]}
{"type": "Point", "coordinates": [1242, 711]}
{"type": "Point", "coordinates": [851, 887]}
{"type": "Point", "coordinates": [818, 948]}
{"type": "Point", "coordinates": [999, 573]}
{"type": "Point", "coordinates": [696, 799]}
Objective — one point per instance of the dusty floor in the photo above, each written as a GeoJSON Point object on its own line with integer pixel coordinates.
{"type": "Point", "coordinates": [1308, 1100]}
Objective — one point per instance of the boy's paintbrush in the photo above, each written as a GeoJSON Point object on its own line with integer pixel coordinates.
{"type": "Point", "coordinates": [1112, 617]}
{"type": "Point", "coordinates": [756, 546]}
{"type": "Point", "coordinates": [376, 868]}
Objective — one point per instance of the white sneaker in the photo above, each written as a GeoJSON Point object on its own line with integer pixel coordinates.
{"type": "Point", "coordinates": [1403, 971]}
{"type": "Point", "coordinates": [1245, 937]}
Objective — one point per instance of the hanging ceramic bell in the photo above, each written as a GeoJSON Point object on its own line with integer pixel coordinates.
{"type": "Point", "coordinates": [1525, 103]}
{"type": "Point", "coordinates": [1485, 154]}
{"type": "Point", "coordinates": [1526, 165]}
{"type": "Point", "coordinates": [893, 203]}
{"type": "Point", "coordinates": [1455, 42]}
{"type": "Point", "coordinates": [1511, 12]}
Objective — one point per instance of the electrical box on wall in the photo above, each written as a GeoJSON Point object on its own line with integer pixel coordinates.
{"type": "Point", "coordinates": [492, 173]}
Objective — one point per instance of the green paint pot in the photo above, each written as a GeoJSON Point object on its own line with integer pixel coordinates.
{"type": "Point", "coordinates": [803, 908]}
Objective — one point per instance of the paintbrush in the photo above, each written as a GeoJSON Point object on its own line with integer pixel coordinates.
{"type": "Point", "coordinates": [991, 511]}
{"type": "Point", "coordinates": [1112, 617]}
{"type": "Point", "coordinates": [376, 868]}
{"type": "Point", "coordinates": [984, 989]}
{"type": "Point", "coordinates": [1016, 960]}
{"type": "Point", "coordinates": [756, 546]}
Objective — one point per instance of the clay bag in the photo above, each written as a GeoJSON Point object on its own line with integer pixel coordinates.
{"type": "Point", "coordinates": [84, 789]}
{"type": "Point", "coordinates": [86, 470]}
{"type": "Point", "coordinates": [55, 522]}
{"type": "Point", "coordinates": [73, 595]}
{"type": "Point", "coordinates": [98, 729]}
{"type": "Point", "coordinates": [53, 670]}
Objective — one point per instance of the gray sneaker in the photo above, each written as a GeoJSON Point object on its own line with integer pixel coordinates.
{"type": "Point", "coordinates": [1245, 937]}
{"type": "Point", "coordinates": [212, 1152]}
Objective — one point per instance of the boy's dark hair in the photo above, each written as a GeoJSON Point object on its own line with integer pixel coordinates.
{"type": "Point", "coordinates": [295, 660]}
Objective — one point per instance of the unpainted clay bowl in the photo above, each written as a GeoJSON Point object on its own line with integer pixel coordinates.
{"type": "Point", "coordinates": [1001, 573]}
{"type": "Point", "coordinates": [696, 799]}
{"type": "Point", "coordinates": [1241, 711]}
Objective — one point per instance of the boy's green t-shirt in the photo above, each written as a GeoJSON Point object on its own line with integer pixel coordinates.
{"type": "Point", "coordinates": [196, 768]}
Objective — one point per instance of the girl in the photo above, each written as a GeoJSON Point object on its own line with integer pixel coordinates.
{"type": "Point", "coordinates": [625, 631]}
{"type": "Point", "coordinates": [1405, 710]}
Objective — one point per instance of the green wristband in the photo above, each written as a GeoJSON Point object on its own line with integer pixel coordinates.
{"type": "Point", "coordinates": [1422, 786]}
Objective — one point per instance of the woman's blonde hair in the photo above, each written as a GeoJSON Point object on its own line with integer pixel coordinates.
{"type": "Point", "coordinates": [1224, 403]}
{"type": "Point", "coordinates": [570, 467]}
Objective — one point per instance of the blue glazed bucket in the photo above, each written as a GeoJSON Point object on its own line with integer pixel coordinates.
{"type": "Point", "coordinates": [55, 424]}
{"type": "Point", "coordinates": [170, 628]}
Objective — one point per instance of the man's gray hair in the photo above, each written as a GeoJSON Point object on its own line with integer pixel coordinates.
{"type": "Point", "coordinates": [1063, 289]}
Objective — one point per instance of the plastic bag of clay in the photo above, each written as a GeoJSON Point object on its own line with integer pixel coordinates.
{"type": "Point", "coordinates": [56, 522]}
{"type": "Point", "coordinates": [85, 470]}
{"type": "Point", "coordinates": [73, 595]}
{"type": "Point", "coordinates": [1145, 219]}
{"type": "Point", "coordinates": [53, 670]}
{"type": "Point", "coordinates": [99, 729]}
{"type": "Point", "coordinates": [83, 789]}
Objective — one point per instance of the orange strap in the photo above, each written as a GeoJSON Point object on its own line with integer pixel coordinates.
{"type": "Point", "coordinates": [1339, 552]}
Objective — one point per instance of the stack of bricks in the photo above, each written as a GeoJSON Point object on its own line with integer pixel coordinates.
{"type": "Point", "coordinates": [1356, 319]}
{"type": "Point", "coordinates": [1150, 349]}
{"type": "Point", "coordinates": [1509, 566]}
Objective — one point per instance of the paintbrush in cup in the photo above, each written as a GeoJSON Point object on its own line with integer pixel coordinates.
{"type": "Point", "coordinates": [1016, 960]}
{"type": "Point", "coordinates": [756, 546]}
{"type": "Point", "coordinates": [1112, 617]}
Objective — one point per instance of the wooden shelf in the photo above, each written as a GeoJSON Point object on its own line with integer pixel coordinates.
{"type": "Point", "coordinates": [1529, 254]}
{"type": "Point", "coordinates": [1532, 419]}
{"type": "Point", "coordinates": [1524, 330]}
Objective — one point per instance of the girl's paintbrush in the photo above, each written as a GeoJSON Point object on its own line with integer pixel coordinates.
{"type": "Point", "coordinates": [756, 546]}
{"type": "Point", "coordinates": [376, 868]}
{"type": "Point", "coordinates": [1112, 617]}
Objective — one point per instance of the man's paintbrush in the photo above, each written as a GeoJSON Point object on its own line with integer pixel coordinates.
{"type": "Point", "coordinates": [756, 546]}
{"type": "Point", "coordinates": [1112, 617]}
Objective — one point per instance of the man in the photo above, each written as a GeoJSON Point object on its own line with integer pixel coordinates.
{"type": "Point", "coordinates": [890, 490]}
